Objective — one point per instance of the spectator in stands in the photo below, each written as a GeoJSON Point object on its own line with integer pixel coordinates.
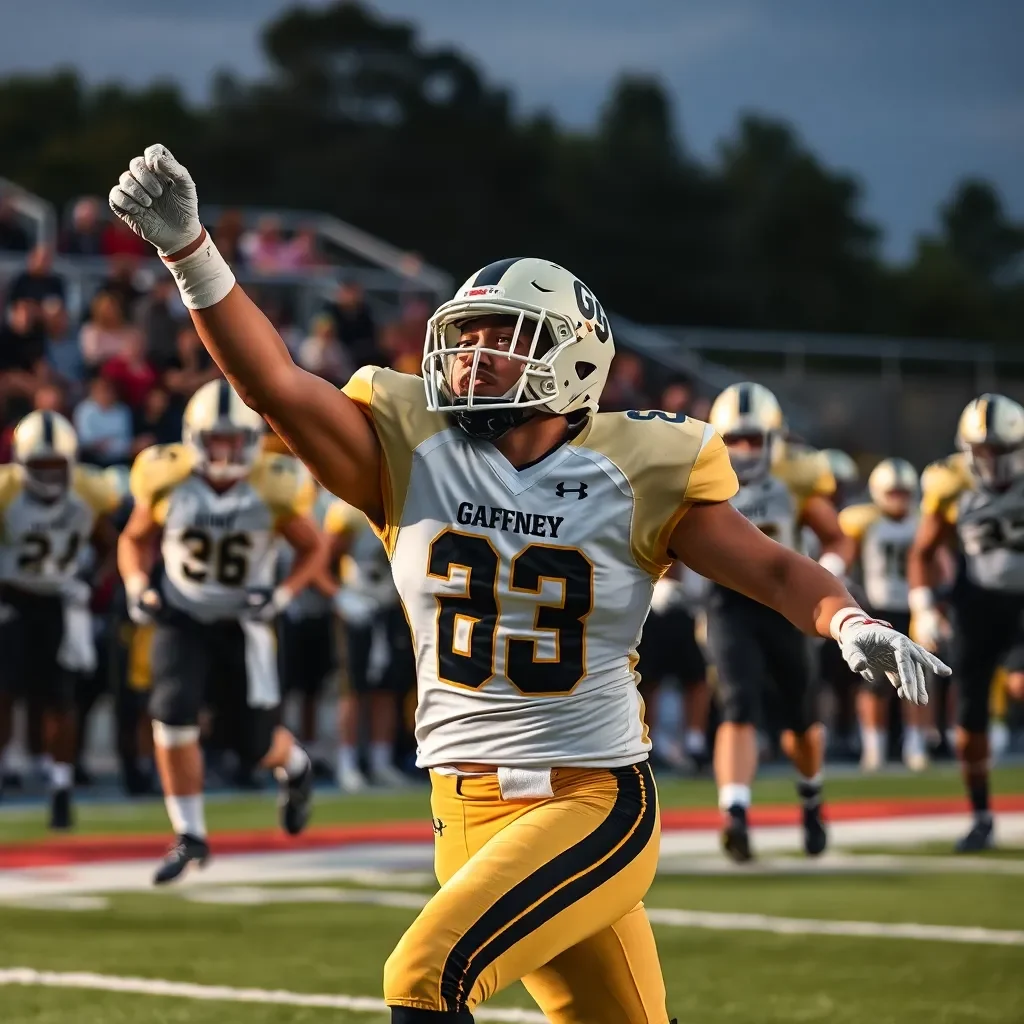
{"type": "Point", "coordinates": [131, 373]}
{"type": "Point", "coordinates": [157, 422]}
{"type": "Point", "coordinates": [104, 425]}
{"type": "Point", "coordinates": [321, 353]}
{"type": "Point", "coordinates": [263, 248]}
{"type": "Point", "coordinates": [402, 341]}
{"type": "Point", "coordinates": [62, 352]}
{"type": "Point", "coordinates": [677, 396]}
{"type": "Point", "coordinates": [85, 236]}
{"type": "Point", "coordinates": [22, 357]}
{"type": "Point", "coordinates": [119, 240]}
{"type": "Point", "coordinates": [106, 333]}
{"type": "Point", "coordinates": [13, 237]}
{"type": "Point", "coordinates": [228, 235]}
{"type": "Point", "coordinates": [300, 252]}
{"type": "Point", "coordinates": [354, 324]}
{"type": "Point", "coordinates": [121, 283]}
{"type": "Point", "coordinates": [48, 398]}
{"type": "Point", "coordinates": [626, 384]}
{"type": "Point", "coordinates": [37, 281]}
{"type": "Point", "coordinates": [190, 369]}
{"type": "Point", "coordinates": [160, 314]}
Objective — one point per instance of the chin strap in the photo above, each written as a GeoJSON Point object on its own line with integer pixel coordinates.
{"type": "Point", "coordinates": [485, 425]}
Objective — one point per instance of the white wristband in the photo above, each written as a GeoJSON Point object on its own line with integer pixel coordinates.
{"type": "Point", "coordinates": [842, 618]}
{"type": "Point", "coordinates": [920, 599]}
{"type": "Point", "coordinates": [833, 563]}
{"type": "Point", "coordinates": [282, 596]}
{"type": "Point", "coordinates": [204, 277]}
{"type": "Point", "coordinates": [135, 586]}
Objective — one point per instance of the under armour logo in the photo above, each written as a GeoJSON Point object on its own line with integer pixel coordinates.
{"type": "Point", "coordinates": [581, 492]}
{"type": "Point", "coordinates": [439, 826]}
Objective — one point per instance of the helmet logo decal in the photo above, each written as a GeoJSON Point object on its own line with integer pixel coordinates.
{"type": "Point", "coordinates": [591, 309]}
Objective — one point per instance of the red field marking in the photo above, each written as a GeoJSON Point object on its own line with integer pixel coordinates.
{"type": "Point", "coordinates": [84, 849]}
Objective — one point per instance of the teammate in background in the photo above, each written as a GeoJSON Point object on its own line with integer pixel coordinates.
{"type": "Point", "coordinates": [883, 532]}
{"type": "Point", "coordinates": [976, 498]}
{"type": "Point", "coordinates": [525, 532]}
{"type": "Point", "coordinates": [669, 649]}
{"type": "Point", "coordinates": [752, 646]}
{"type": "Point", "coordinates": [50, 510]}
{"type": "Point", "coordinates": [219, 505]}
{"type": "Point", "coordinates": [380, 658]}
{"type": "Point", "coordinates": [846, 474]}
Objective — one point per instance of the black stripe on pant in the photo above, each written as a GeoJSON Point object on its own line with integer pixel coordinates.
{"type": "Point", "coordinates": [547, 892]}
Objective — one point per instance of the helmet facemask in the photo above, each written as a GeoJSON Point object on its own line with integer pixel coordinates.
{"type": "Point", "coordinates": [47, 477]}
{"type": "Point", "coordinates": [226, 453]}
{"type": "Point", "coordinates": [995, 466]}
{"type": "Point", "coordinates": [754, 461]}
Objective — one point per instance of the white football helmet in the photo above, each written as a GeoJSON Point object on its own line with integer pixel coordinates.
{"type": "Point", "coordinates": [844, 469]}
{"type": "Point", "coordinates": [224, 432]}
{"type": "Point", "coordinates": [46, 445]}
{"type": "Point", "coordinates": [893, 485]}
{"type": "Point", "coordinates": [748, 412]}
{"type": "Point", "coordinates": [562, 340]}
{"type": "Point", "coordinates": [991, 434]}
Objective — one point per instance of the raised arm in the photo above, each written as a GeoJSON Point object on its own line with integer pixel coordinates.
{"type": "Point", "coordinates": [156, 197]}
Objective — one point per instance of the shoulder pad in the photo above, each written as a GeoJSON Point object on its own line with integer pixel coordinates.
{"type": "Point", "coordinates": [805, 474]}
{"type": "Point", "coordinates": [342, 519]}
{"type": "Point", "coordinates": [284, 484]}
{"type": "Point", "coordinates": [96, 488]}
{"type": "Point", "coordinates": [11, 480]}
{"type": "Point", "coordinates": [942, 482]}
{"type": "Point", "coordinates": [158, 470]}
{"type": "Point", "coordinates": [854, 520]}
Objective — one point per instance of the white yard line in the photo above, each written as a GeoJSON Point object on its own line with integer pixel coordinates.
{"type": "Point", "coordinates": [857, 929]}
{"type": "Point", "coordinates": [226, 993]}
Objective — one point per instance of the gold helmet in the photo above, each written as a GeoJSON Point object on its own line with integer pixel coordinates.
{"type": "Point", "coordinates": [893, 484]}
{"type": "Point", "coordinates": [991, 434]}
{"type": "Point", "coordinates": [750, 421]}
{"type": "Point", "coordinates": [224, 432]}
{"type": "Point", "coordinates": [46, 445]}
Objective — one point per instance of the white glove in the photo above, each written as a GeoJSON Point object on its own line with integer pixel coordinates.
{"type": "Point", "coordinates": [873, 649]}
{"type": "Point", "coordinates": [928, 625]}
{"type": "Point", "coordinates": [354, 608]}
{"type": "Point", "coordinates": [144, 609]}
{"type": "Point", "coordinates": [156, 198]}
{"type": "Point", "coordinates": [264, 605]}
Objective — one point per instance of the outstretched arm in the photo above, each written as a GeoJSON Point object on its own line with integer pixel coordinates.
{"type": "Point", "coordinates": [156, 197]}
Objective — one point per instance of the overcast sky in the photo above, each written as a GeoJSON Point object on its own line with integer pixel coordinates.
{"type": "Point", "coordinates": [907, 94]}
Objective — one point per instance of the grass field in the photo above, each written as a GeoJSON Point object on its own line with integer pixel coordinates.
{"type": "Point", "coordinates": [302, 942]}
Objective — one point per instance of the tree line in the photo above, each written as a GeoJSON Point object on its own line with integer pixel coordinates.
{"type": "Point", "coordinates": [359, 118]}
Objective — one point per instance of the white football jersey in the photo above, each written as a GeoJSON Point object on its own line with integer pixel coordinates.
{"type": "Point", "coordinates": [44, 543]}
{"type": "Point", "coordinates": [884, 543]}
{"type": "Point", "coordinates": [990, 524]}
{"type": "Point", "coordinates": [217, 544]}
{"type": "Point", "coordinates": [365, 567]}
{"type": "Point", "coordinates": [526, 590]}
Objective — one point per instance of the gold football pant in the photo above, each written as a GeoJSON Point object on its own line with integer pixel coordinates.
{"type": "Point", "coordinates": [548, 891]}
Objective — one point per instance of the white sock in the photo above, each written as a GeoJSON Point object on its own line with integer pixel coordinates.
{"type": "Point", "coordinates": [187, 815]}
{"type": "Point", "coordinates": [380, 756]}
{"type": "Point", "coordinates": [872, 741]}
{"type": "Point", "coordinates": [61, 775]}
{"type": "Point", "coordinates": [913, 741]}
{"type": "Point", "coordinates": [348, 760]}
{"type": "Point", "coordinates": [296, 762]}
{"type": "Point", "coordinates": [733, 794]}
{"type": "Point", "coordinates": [695, 742]}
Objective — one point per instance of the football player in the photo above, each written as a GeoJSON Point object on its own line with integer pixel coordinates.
{"type": "Point", "coordinates": [379, 650]}
{"type": "Point", "coordinates": [50, 510]}
{"type": "Point", "coordinates": [975, 498]}
{"type": "Point", "coordinates": [525, 533]}
{"type": "Point", "coordinates": [883, 531]}
{"type": "Point", "coordinates": [218, 505]}
{"type": "Point", "coordinates": [753, 647]}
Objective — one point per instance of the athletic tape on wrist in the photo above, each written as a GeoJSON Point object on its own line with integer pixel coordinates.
{"type": "Point", "coordinates": [842, 617]}
{"type": "Point", "coordinates": [204, 277]}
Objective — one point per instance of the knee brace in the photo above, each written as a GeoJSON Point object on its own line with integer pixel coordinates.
{"type": "Point", "coordinates": [168, 736]}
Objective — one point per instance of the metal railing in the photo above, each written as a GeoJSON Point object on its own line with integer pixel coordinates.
{"type": "Point", "coordinates": [38, 216]}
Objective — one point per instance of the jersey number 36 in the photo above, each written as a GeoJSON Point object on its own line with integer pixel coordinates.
{"type": "Point", "coordinates": [467, 623]}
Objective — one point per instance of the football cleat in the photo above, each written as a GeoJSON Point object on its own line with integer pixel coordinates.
{"type": "Point", "coordinates": [736, 836]}
{"type": "Point", "coordinates": [182, 852]}
{"type": "Point", "coordinates": [295, 801]}
{"type": "Point", "coordinates": [61, 817]}
{"type": "Point", "coordinates": [390, 777]}
{"type": "Point", "coordinates": [981, 837]}
{"type": "Point", "coordinates": [815, 836]}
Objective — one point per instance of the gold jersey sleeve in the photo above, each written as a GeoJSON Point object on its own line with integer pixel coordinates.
{"type": "Point", "coordinates": [806, 474]}
{"type": "Point", "coordinates": [156, 472]}
{"type": "Point", "coordinates": [284, 484]}
{"type": "Point", "coordinates": [12, 478]}
{"type": "Point", "coordinates": [395, 404]}
{"type": "Point", "coordinates": [670, 465]}
{"type": "Point", "coordinates": [856, 520]}
{"type": "Point", "coordinates": [343, 519]}
{"type": "Point", "coordinates": [942, 483]}
{"type": "Point", "coordinates": [97, 489]}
